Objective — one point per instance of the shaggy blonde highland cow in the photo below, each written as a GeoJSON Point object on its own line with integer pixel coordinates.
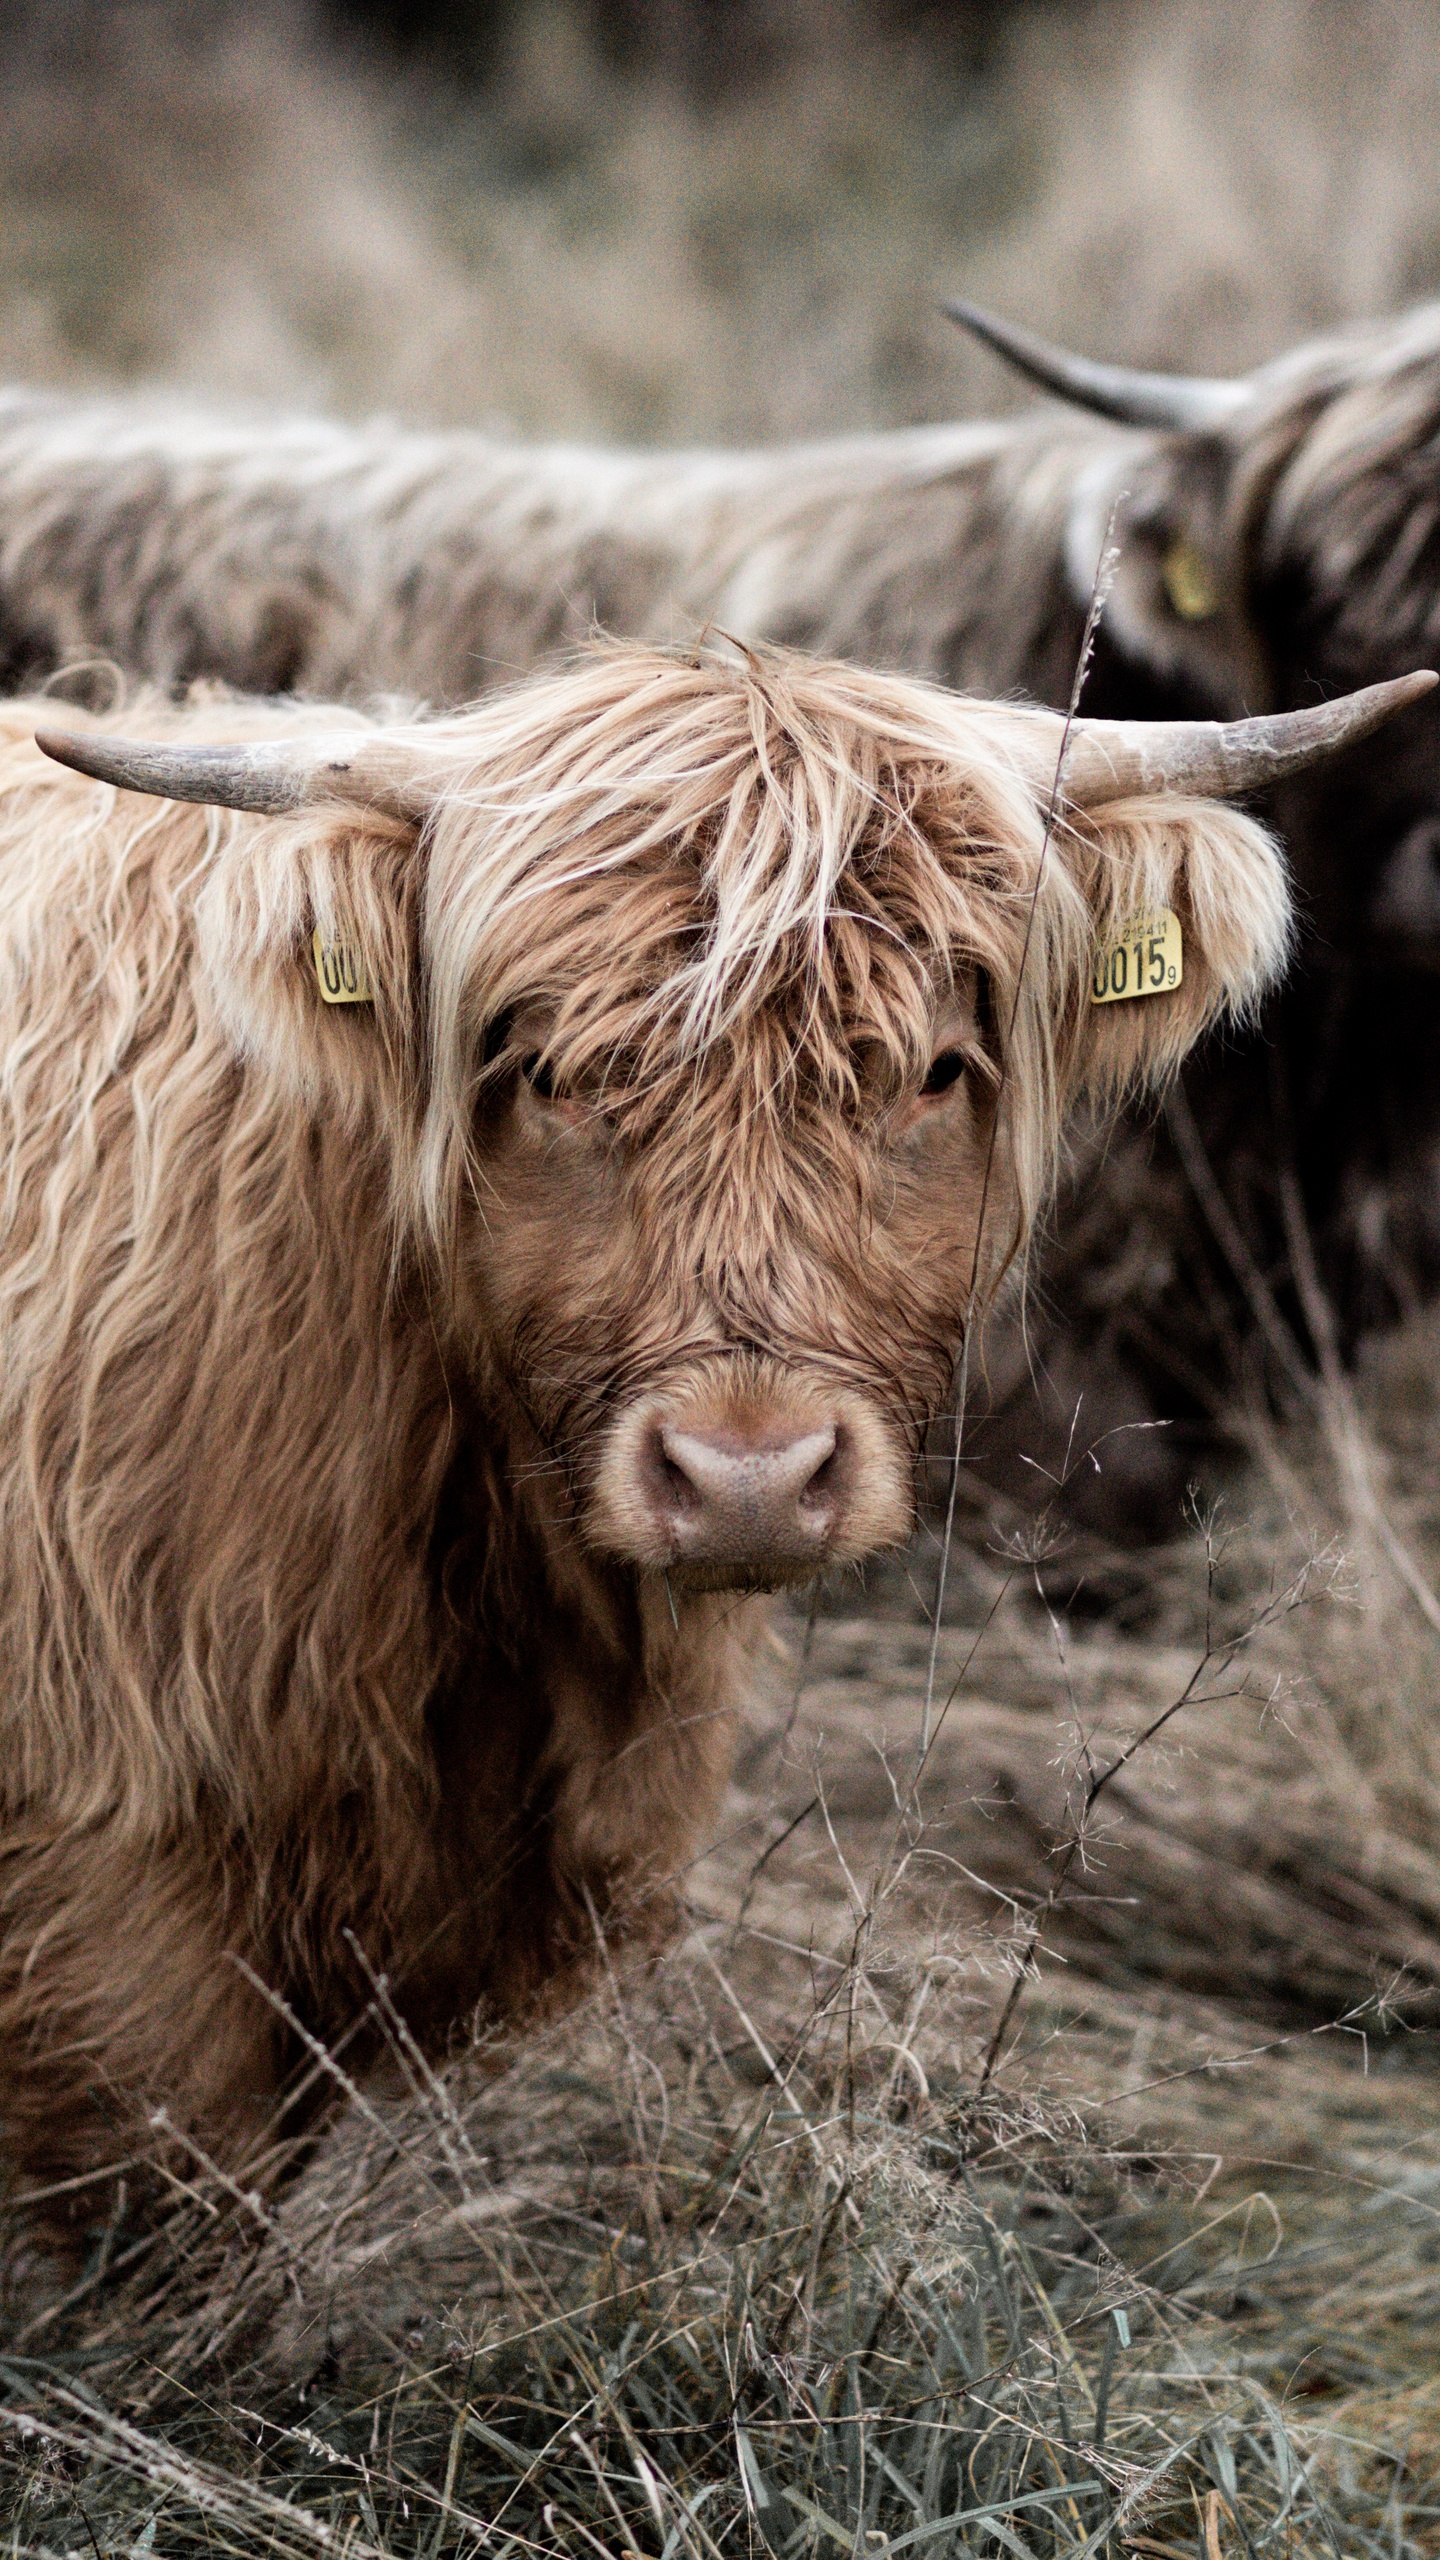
{"type": "Point", "coordinates": [398, 1393]}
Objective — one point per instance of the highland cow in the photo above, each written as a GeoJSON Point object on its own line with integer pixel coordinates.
{"type": "Point", "coordinates": [483, 1195]}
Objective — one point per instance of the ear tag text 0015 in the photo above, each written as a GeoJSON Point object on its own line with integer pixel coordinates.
{"type": "Point", "coordinates": [1148, 960]}
{"type": "Point", "coordinates": [341, 972]}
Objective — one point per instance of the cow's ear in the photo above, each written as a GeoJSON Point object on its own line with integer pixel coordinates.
{"type": "Point", "coordinates": [1178, 612]}
{"type": "Point", "coordinates": [1190, 915]}
{"type": "Point", "coordinates": [309, 930]}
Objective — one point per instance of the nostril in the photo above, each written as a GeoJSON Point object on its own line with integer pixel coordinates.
{"type": "Point", "coordinates": [825, 1482]}
{"type": "Point", "coordinates": [728, 1468]}
{"type": "Point", "coordinates": [669, 1484]}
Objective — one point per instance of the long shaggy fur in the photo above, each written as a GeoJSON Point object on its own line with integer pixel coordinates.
{"type": "Point", "coordinates": [294, 555]}
{"type": "Point", "coordinates": [308, 1639]}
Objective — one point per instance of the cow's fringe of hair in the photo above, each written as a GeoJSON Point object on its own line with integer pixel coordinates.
{"type": "Point", "coordinates": [858, 835]}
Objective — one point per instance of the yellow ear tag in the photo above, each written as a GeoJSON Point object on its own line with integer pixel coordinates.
{"type": "Point", "coordinates": [1148, 960]}
{"type": "Point", "coordinates": [1188, 583]}
{"type": "Point", "coordinates": [341, 972]}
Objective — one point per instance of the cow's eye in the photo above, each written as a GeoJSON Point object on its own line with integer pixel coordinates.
{"type": "Point", "coordinates": [946, 1068]}
{"type": "Point", "coordinates": [536, 1071]}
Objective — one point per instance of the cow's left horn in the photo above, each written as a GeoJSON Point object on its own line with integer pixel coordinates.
{"type": "Point", "coordinates": [271, 777]}
{"type": "Point", "coordinates": [1214, 759]}
{"type": "Point", "coordinates": [1174, 400]}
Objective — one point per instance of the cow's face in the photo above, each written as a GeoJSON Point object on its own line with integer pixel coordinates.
{"type": "Point", "coordinates": [1346, 585]}
{"type": "Point", "coordinates": [725, 1275]}
{"type": "Point", "coordinates": [729, 1317]}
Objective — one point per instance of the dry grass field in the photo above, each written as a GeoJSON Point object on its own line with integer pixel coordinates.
{"type": "Point", "coordinates": [224, 199]}
{"type": "Point", "coordinates": [1032, 2144]}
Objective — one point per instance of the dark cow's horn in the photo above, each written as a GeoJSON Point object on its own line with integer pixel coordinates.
{"type": "Point", "coordinates": [272, 777]}
{"type": "Point", "coordinates": [1175, 400]}
{"type": "Point", "coordinates": [1214, 759]}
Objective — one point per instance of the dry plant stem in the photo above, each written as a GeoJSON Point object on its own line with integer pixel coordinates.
{"type": "Point", "coordinates": [1220, 1219]}
{"type": "Point", "coordinates": [1216, 1659]}
{"type": "Point", "coordinates": [761, 1749]}
{"type": "Point", "coordinates": [426, 2083]}
{"type": "Point", "coordinates": [772, 2068]}
{"type": "Point", "coordinates": [753, 1879]}
{"type": "Point", "coordinates": [1109, 562]}
{"type": "Point", "coordinates": [326, 2061]}
{"type": "Point", "coordinates": [1381, 2007]}
{"type": "Point", "coordinates": [1104, 580]}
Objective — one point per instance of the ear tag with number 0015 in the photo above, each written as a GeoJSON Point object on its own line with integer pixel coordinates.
{"type": "Point", "coordinates": [1148, 960]}
{"type": "Point", "coordinates": [341, 972]}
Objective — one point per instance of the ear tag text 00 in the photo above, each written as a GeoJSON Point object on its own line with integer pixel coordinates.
{"type": "Point", "coordinates": [1148, 960]}
{"type": "Point", "coordinates": [341, 972]}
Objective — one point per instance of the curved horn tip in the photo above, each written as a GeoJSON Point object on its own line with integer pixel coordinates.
{"type": "Point", "coordinates": [1355, 715]}
{"type": "Point", "coordinates": [269, 778]}
{"type": "Point", "coordinates": [255, 778]}
{"type": "Point", "coordinates": [1176, 403]}
{"type": "Point", "coordinates": [63, 746]}
{"type": "Point", "coordinates": [1108, 759]}
{"type": "Point", "coordinates": [1411, 688]}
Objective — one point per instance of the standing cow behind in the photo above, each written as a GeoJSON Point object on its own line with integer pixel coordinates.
{"type": "Point", "coordinates": [1279, 540]}
{"type": "Point", "coordinates": [1280, 544]}
{"type": "Point", "coordinates": [398, 1392]}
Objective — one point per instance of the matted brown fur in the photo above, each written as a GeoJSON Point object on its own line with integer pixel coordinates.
{"type": "Point", "coordinates": [321, 1617]}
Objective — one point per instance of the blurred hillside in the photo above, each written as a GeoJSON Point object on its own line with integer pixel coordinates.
{"type": "Point", "coordinates": [656, 219]}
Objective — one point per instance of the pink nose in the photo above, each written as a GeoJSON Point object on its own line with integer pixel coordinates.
{"type": "Point", "coordinates": [723, 1497]}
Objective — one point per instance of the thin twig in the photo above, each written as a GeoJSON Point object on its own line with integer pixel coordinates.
{"type": "Point", "coordinates": [1106, 567]}
{"type": "Point", "coordinates": [1215, 1658]}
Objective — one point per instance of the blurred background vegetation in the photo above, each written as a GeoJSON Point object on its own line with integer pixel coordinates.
{"type": "Point", "coordinates": [695, 219]}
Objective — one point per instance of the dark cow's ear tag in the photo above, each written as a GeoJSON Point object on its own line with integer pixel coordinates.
{"type": "Point", "coordinates": [1189, 582]}
{"type": "Point", "coordinates": [1148, 960]}
{"type": "Point", "coordinates": [340, 971]}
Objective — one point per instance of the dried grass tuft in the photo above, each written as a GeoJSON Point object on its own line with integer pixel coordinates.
{"type": "Point", "coordinates": [662, 2284]}
{"type": "Point", "coordinates": [920, 2199]}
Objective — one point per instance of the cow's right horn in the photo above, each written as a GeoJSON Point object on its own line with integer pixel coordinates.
{"type": "Point", "coordinates": [1216, 759]}
{"type": "Point", "coordinates": [271, 777]}
{"type": "Point", "coordinates": [1174, 400]}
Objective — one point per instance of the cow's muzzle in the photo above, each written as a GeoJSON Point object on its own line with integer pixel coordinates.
{"type": "Point", "coordinates": [735, 1483]}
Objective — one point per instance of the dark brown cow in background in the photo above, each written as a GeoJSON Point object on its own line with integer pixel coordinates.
{"type": "Point", "coordinates": [515, 1186]}
{"type": "Point", "coordinates": [1279, 543]}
